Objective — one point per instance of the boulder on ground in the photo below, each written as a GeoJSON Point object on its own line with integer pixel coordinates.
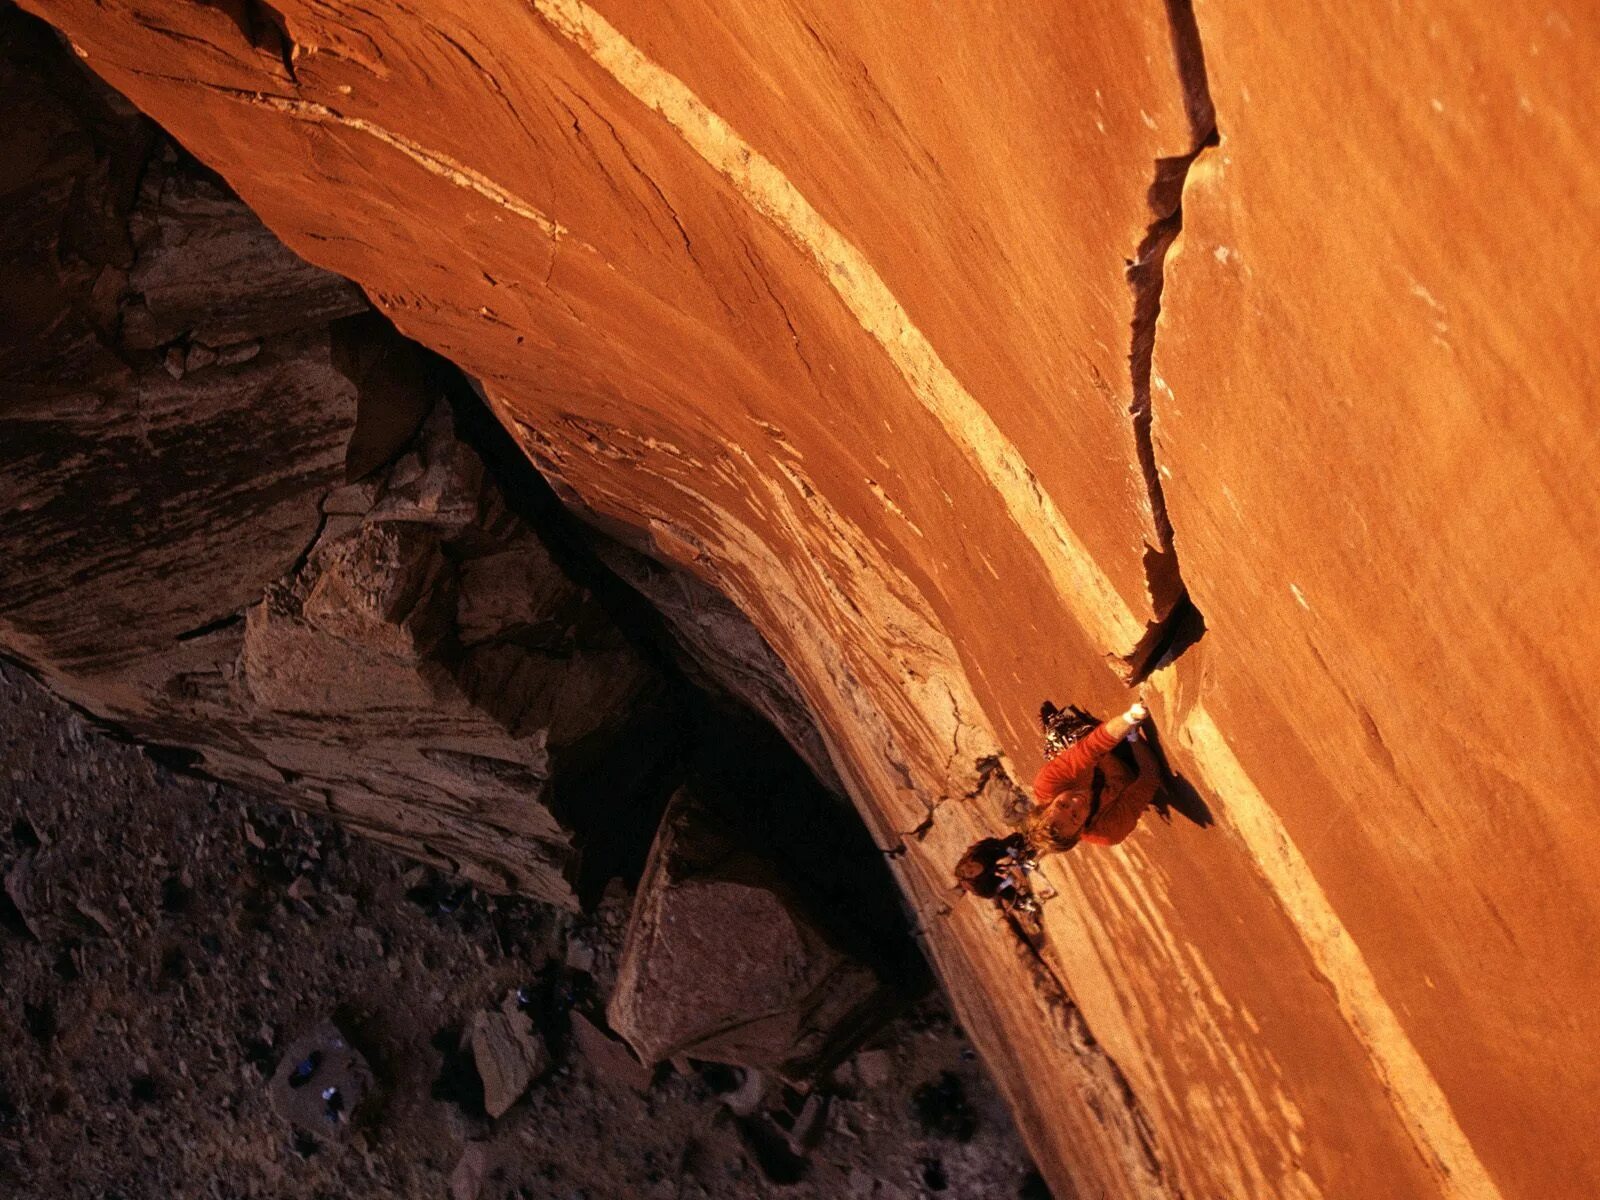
{"type": "Point", "coordinates": [509, 1054]}
{"type": "Point", "coordinates": [723, 963]}
{"type": "Point", "coordinates": [610, 1059]}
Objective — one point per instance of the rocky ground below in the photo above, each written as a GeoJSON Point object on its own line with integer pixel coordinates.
{"type": "Point", "coordinates": [164, 942]}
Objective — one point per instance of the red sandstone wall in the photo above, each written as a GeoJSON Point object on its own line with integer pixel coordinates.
{"type": "Point", "coordinates": [832, 299]}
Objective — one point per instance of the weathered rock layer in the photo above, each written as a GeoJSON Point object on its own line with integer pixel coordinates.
{"type": "Point", "coordinates": [239, 521]}
{"type": "Point", "coordinates": [835, 301]}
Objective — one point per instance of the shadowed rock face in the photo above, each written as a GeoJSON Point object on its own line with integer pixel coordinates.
{"type": "Point", "coordinates": [853, 310]}
{"type": "Point", "coordinates": [719, 645]}
{"type": "Point", "coordinates": [185, 553]}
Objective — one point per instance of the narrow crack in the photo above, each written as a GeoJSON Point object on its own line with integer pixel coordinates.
{"type": "Point", "coordinates": [1175, 613]}
{"type": "Point", "coordinates": [304, 557]}
{"type": "Point", "coordinates": [488, 75]}
{"type": "Point", "coordinates": [622, 147]}
{"type": "Point", "coordinates": [794, 334]}
{"type": "Point", "coordinates": [993, 785]}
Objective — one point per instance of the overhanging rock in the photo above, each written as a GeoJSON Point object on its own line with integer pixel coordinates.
{"type": "Point", "coordinates": [830, 299]}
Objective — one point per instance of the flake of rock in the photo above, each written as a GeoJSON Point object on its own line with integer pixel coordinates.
{"type": "Point", "coordinates": [240, 352]}
{"type": "Point", "coordinates": [19, 888]}
{"type": "Point", "coordinates": [351, 500]}
{"type": "Point", "coordinates": [106, 295]}
{"type": "Point", "coordinates": [467, 1180]}
{"type": "Point", "coordinates": [809, 1124]}
{"type": "Point", "coordinates": [722, 962]}
{"type": "Point", "coordinates": [252, 835]}
{"type": "Point", "coordinates": [96, 916]}
{"type": "Point", "coordinates": [580, 956]}
{"type": "Point", "coordinates": [509, 1055]}
{"type": "Point", "coordinates": [321, 1082]}
{"type": "Point", "coordinates": [198, 357]}
{"type": "Point", "coordinates": [610, 1058]}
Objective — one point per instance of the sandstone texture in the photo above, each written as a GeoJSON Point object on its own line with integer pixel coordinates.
{"type": "Point", "coordinates": [879, 319]}
{"type": "Point", "coordinates": [723, 963]}
{"type": "Point", "coordinates": [509, 1054]}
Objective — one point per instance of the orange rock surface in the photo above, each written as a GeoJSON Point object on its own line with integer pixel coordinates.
{"type": "Point", "coordinates": [847, 304]}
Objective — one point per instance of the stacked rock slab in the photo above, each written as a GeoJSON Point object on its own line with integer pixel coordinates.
{"type": "Point", "coordinates": [184, 553]}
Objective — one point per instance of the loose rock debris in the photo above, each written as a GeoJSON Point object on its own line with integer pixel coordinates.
{"type": "Point", "coordinates": [151, 1037]}
{"type": "Point", "coordinates": [509, 1054]}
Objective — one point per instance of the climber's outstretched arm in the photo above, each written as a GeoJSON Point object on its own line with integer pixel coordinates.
{"type": "Point", "coordinates": [1081, 755]}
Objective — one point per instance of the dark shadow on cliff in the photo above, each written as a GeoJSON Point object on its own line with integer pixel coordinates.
{"type": "Point", "coordinates": [1182, 629]}
{"type": "Point", "coordinates": [613, 801]}
{"type": "Point", "coordinates": [1177, 794]}
{"type": "Point", "coordinates": [739, 764]}
{"type": "Point", "coordinates": [761, 791]}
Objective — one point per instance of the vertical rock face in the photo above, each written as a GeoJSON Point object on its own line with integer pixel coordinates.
{"type": "Point", "coordinates": [852, 310]}
{"type": "Point", "coordinates": [1377, 398]}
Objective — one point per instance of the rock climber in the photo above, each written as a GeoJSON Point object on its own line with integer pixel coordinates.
{"type": "Point", "coordinates": [1085, 791]}
{"type": "Point", "coordinates": [1000, 869]}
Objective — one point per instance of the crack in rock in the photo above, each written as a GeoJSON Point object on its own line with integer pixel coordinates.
{"type": "Point", "coordinates": [1145, 272]}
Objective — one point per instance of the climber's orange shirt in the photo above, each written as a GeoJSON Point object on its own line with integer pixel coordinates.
{"type": "Point", "coordinates": [1072, 765]}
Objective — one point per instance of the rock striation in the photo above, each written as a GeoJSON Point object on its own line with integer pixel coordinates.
{"type": "Point", "coordinates": [241, 523]}
{"type": "Point", "coordinates": [938, 340]}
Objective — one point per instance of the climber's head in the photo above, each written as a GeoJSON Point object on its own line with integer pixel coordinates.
{"type": "Point", "coordinates": [1040, 835]}
{"type": "Point", "coordinates": [991, 866]}
{"type": "Point", "coordinates": [1062, 727]}
{"type": "Point", "coordinates": [978, 871]}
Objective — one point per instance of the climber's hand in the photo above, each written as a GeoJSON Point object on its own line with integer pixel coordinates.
{"type": "Point", "coordinates": [1125, 724]}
